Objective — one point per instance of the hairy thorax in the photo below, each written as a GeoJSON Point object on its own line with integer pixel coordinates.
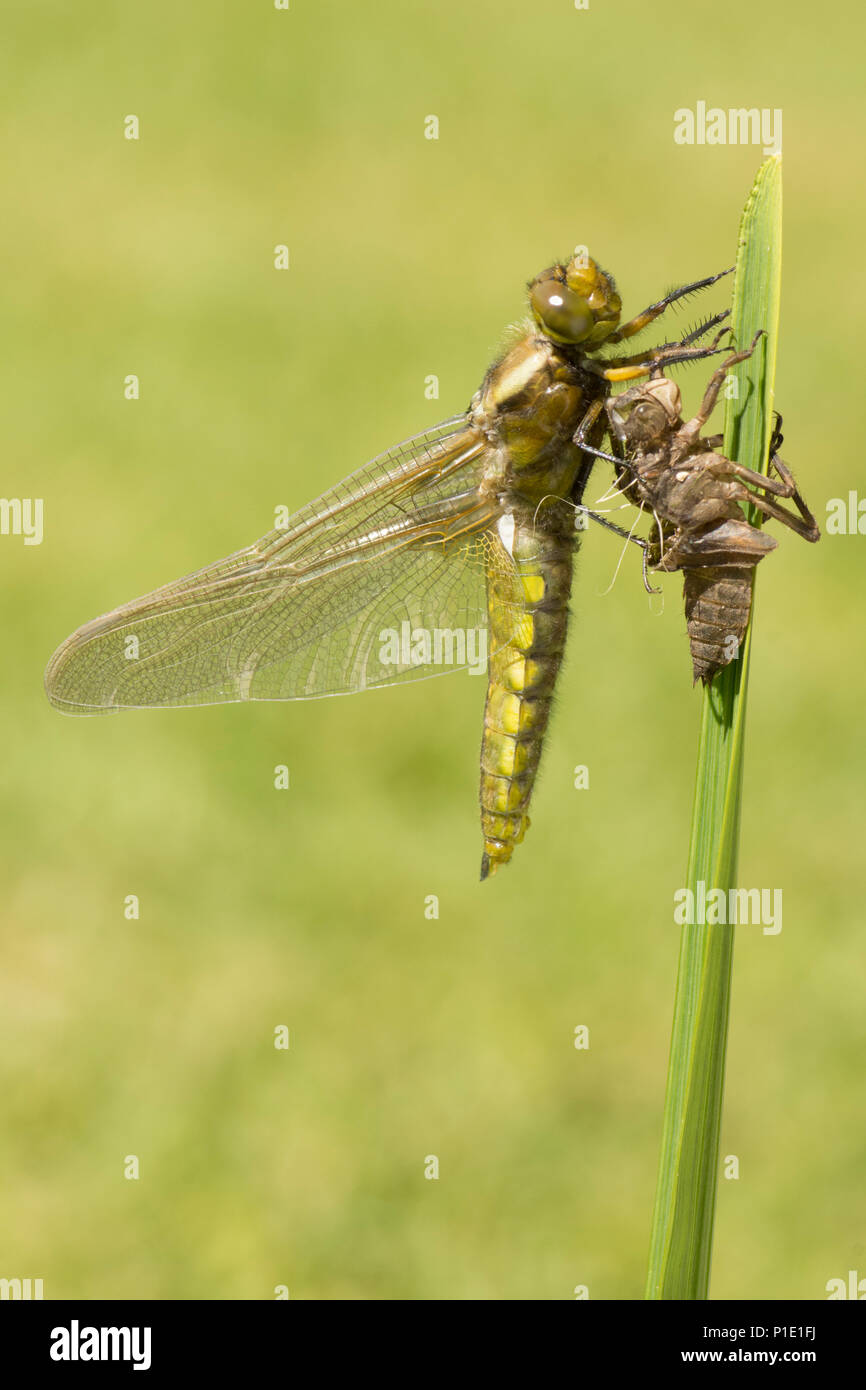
{"type": "Point", "coordinates": [528, 407]}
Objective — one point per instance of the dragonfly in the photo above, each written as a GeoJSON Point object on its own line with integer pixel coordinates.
{"type": "Point", "coordinates": [456, 545]}
{"type": "Point", "coordinates": [696, 494]}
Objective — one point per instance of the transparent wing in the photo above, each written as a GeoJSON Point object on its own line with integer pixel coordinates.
{"type": "Point", "coordinates": [380, 580]}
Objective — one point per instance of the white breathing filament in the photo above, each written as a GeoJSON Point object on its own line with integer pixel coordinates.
{"type": "Point", "coordinates": [622, 553]}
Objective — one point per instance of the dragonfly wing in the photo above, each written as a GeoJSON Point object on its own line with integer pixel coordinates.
{"type": "Point", "coordinates": [383, 579]}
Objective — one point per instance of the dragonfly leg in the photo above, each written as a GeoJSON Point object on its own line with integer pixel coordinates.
{"type": "Point", "coordinates": [809, 529]}
{"type": "Point", "coordinates": [626, 536]}
{"type": "Point", "coordinates": [597, 453]}
{"type": "Point", "coordinates": [711, 395]}
{"type": "Point", "coordinates": [651, 354]}
{"type": "Point", "coordinates": [667, 349]}
{"type": "Point", "coordinates": [671, 353]}
{"type": "Point", "coordinates": [787, 476]}
{"type": "Point", "coordinates": [701, 329]}
{"type": "Point", "coordinates": [785, 486]}
{"type": "Point", "coordinates": [641, 320]}
{"type": "Point", "coordinates": [580, 440]}
{"type": "Point", "coordinates": [648, 364]}
{"type": "Point", "coordinates": [584, 428]}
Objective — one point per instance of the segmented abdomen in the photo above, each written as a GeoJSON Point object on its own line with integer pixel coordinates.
{"type": "Point", "coordinates": [718, 601]}
{"type": "Point", "coordinates": [524, 663]}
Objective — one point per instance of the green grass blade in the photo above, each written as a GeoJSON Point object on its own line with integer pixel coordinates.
{"type": "Point", "coordinates": [681, 1241]}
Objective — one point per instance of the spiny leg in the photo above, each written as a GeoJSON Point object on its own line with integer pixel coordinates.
{"type": "Point", "coordinates": [672, 353]}
{"type": "Point", "coordinates": [804, 525]}
{"type": "Point", "coordinates": [581, 443]}
{"type": "Point", "coordinates": [580, 440]}
{"type": "Point", "coordinates": [787, 476]}
{"type": "Point", "coordinates": [711, 395]}
{"type": "Point", "coordinates": [586, 424]}
{"type": "Point", "coordinates": [785, 486]}
{"type": "Point", "coordinates": [626, 536]}
{"type": "Point", "coordinates": [641, 320]}
{"type": "Point", "coordinates": [646, 364]}
{"type": "Point", "coordinates": [701, 329]}
{"type": "Point", "coordinates": [583, 429]}
{"type": "Point", "coordinates": [810, 530]}
{"type": "Point", "coordinates": [648, 354]}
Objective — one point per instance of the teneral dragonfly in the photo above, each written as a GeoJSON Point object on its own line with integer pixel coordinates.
{"type": "Point", "coordinates": [464, 529]}
{"type": "Point", "coordinates": [696, 496]}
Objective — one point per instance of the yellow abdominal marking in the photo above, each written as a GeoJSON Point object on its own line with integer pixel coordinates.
{"type": "Point", "coordinates": [525, 633]}
{"type": "Point", "coordinates": [533, 587]}
{"type": "Point", "coordinates": [511, 757]}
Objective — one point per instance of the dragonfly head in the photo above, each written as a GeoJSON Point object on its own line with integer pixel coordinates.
{"type": "Point", "coordinates": [575, 304]}
{"type": "Point", "coordinates": [645, 415]}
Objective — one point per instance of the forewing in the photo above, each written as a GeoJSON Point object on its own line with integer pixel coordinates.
{"type": "Point", "coordinates": [350, 594]}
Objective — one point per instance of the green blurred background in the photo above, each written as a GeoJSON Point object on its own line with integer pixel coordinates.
{"type": "Point", "coordinates": [409, 1036]}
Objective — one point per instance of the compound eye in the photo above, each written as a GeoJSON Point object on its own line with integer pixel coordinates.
{"type": "Point", "coordinates": [561, 313]}
{"type": "Point", "coordinates": [648, 419]}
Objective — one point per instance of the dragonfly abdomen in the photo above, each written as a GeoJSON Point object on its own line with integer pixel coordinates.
{"type": "Point", "coordinates": [717, 601]}
{"type": "Point", "coordinates": [526, 653]}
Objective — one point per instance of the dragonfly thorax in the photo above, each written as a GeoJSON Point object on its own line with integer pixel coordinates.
{"type": "Point", "coordinates": [529, 406]}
